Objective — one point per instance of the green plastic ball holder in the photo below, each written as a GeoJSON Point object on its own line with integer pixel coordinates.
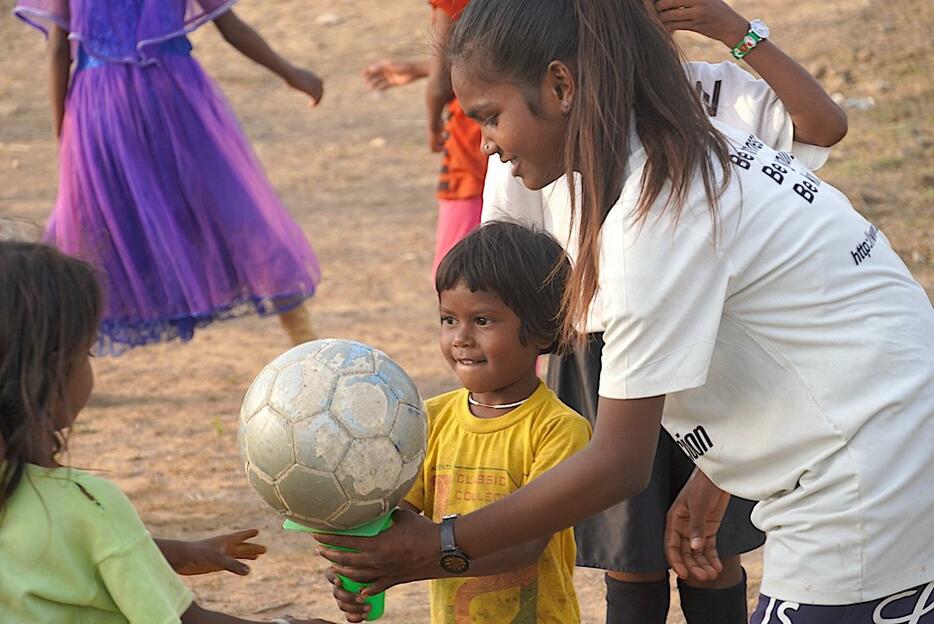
{"type": "Point", "coordinates": [378, 602]}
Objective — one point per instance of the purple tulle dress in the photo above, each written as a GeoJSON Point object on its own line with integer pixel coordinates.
{"type": "Point", "coordinates": [158, 186]}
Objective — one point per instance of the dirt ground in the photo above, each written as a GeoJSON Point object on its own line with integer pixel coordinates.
{"type": "Point", "coordinates": [356, 174]}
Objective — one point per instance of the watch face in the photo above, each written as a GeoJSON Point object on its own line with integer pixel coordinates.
{"type": "Point", "coordinates": [759, 27]}
{"type": "Point", "coordinates": [455, 564]}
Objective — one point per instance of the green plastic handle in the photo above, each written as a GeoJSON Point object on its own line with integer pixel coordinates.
{"type": "Point", "coordinates": [378, 602]}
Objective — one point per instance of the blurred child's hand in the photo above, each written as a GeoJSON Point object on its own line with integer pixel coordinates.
{"type": "Point", "coordinates": [355, 610]}
{"type": "Point", "coordinates": [307, 82]}
{"type": "Point", "coordinates": [712, 18]}
{"type": "Point", "coordinates": [216, 553]}
{"type": "Point", "coordinates": [436, 135]}
{"type": "Point", "coordinates": [387, 74]}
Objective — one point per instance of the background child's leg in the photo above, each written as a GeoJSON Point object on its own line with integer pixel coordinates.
{"type": "Point", "coordinates": [297, 323]}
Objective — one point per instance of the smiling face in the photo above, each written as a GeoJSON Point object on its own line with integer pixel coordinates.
{"type": "Point", "coordinates": [480, 339]}
{"type": "Point", "coordinates": [533, 141]}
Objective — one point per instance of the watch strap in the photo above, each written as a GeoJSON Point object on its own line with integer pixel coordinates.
{"type": "Point", "coordinates": [750, 40]}
{"type": "Point", "coordinates": [447, 534]}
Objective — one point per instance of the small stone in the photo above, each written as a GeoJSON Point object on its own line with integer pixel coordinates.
{"type": "Point", "coordinates": [820, 72]}
{"type": "Point", "coordinates": [864, 55]}
{"type": "Point", "coordinates": [838, 98]}
{"type": "Point", "coordinates": [328, 19]}
{"type": "Point", "coordinates": [859, 103]}
{"type": "Point", "coordinates": [378, 142]}
{"type": "Point", "coordinates": [918, 258]}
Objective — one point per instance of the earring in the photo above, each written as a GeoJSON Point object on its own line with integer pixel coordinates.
{"type": "Point", "coordinates": [486, 147]}
{"type": "Point", "coordinates": [565, 107]}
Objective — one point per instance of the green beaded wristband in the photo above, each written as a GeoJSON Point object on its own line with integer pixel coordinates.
{"type": "Point", "coordinates": [744, 47]}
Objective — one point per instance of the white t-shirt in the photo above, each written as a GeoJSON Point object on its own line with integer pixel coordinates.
{"type": "Point", "coordinates": [729, 94]}
{"type": "Point", "coordinates": [797, 354]}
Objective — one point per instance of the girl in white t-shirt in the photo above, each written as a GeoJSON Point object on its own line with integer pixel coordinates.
{"type": "Point", "coordinates": [627, 539]}
{"type": "Point", "coordinates": [747, 307]}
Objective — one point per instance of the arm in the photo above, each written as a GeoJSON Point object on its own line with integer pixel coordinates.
{"type": "Point", "coordinates": [387, 74]}
{"type": "Point", "coordinates": [817, 119]}
{"type": "Point", "coordinates": [615, 465]}
{"type": "Point", "coordinates": [438, 91]}
{"type": "Point", "coordinates": [197, 615]}
{"type": "Point", "coordinates": [59, 53]}
{"type": "Point", "coordinates": [211, 554]}
{"type": "Point", "coordinates": [248, 42]}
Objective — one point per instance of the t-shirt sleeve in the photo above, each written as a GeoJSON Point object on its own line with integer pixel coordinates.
{"type": "Point", "coordinates": [737, 98]}
{"type": "Point", "coordinates": [505, 198]}
{"type": "Point", "coordinates": [138, 578]}
{"type": "Point", "coordinates": [561, 437]}
{"type": "Point", "coordinates": [663, 287]}
{"type": "Point", "coordinates": [143, 585]}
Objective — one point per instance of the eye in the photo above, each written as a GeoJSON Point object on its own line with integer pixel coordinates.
{"type": "Point", "coordinates": [447, 320]}
{"type": "Point", "coordinates": [482, 321]}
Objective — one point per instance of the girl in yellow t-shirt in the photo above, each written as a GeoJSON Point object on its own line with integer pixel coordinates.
{"type": "Point", "coordinates": [499, 292]}
{"type": "Point", "coordinates": [72, 546]}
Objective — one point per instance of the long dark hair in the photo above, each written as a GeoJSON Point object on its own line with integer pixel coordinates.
{"type": "Point", "coordinates": [627, 69]}
{"type": "Point", "coordinates": [49, 310]}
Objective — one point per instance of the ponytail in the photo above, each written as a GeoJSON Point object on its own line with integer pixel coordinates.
{"type": "Point", "coordinates": [628, 70]}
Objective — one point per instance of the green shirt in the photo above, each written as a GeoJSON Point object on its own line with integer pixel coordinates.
{"type": "Point", "coordinates": [73, 551]}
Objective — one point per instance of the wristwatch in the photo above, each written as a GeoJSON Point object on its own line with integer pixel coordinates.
{"type": "Point", "coordinates": [453, 559]}
{"type": "Point", "coordinates": [758, 32]}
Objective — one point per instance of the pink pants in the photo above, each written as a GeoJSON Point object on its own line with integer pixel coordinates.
{"type": "Point", "coordinates": [456, 219]}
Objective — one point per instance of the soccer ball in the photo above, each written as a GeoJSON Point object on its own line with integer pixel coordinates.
{"type": "Point", "coordinates": [332, 434]}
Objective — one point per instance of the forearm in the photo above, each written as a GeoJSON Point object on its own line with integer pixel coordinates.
{"type": "Point", "coordinates": [59, 54]}
{"type": "Point", "coordinates": [421, 66]}
{"type": "Point", "coordinates": [508, 559]}
{"type": "Point", "coordinates": [250, 44]}
{"type": "Point", "coordinates": [172, 550]}
{"type": "Point", "coordinates": [817, 118]}
{"type": "Point", "coordinates": [438, 90]}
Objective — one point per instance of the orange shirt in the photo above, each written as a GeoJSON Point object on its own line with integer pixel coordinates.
{"type": "Point", "coordinates": [463, 166]}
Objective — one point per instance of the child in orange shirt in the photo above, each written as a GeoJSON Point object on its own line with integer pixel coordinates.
{"type": "Point", "coordinates": [454, 135]}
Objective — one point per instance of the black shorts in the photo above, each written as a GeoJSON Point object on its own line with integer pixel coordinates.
{"type": "Point", "coordinates": [913, 606]}
{"type": "Point", "coordinates": [629, 537]}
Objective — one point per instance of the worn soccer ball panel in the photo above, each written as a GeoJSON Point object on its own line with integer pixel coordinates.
{"type": "Point", "coordinates": [320, 442]}
{"type": "Point", "coordinates": [410, 432]}
{"type": "Point", "coordinates": [269, 442]}
{"type": "Point", "coordinates": [301, 389]}
{"type": "Point", "coordinates": [365, 405]}
{"type": "Point", "coordinates": [370, 470]}
{"type": "Point", "coordinates": [332, 434]}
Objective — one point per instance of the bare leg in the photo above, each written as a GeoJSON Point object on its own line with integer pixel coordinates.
{"type": "Point", "coordinates": [297, 323]}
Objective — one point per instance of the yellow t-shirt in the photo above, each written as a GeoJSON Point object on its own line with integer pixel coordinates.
{"type": "Point", "coordinates": [74, 551]}
{"type": "Point", "coordinates": [471, 462]}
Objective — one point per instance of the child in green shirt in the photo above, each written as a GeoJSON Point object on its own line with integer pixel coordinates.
{"type": "Point", "coordinates": [73, 548]}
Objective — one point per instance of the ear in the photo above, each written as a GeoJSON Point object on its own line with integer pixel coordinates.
{"type": "Point", "coordinates": [558, 88]}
